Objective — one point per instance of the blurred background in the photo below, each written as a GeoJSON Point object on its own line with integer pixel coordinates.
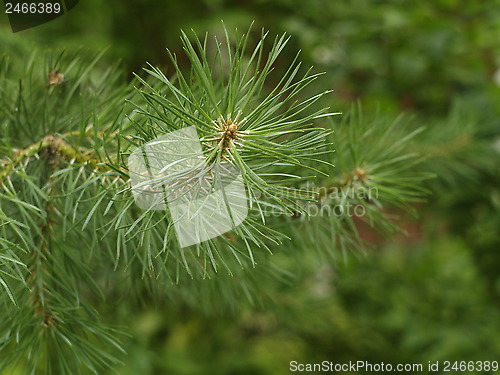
{"type": "Point", "coordinates": [432, 294]}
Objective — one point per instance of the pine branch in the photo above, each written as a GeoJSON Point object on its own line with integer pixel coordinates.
{"type": "Point", "coordinates": [267, 137]}
{"type": "Point", "coordinates": [68, 214]}
{"type": "Point", "coordinates": [52, 327]}
{"type": "Point", "coordinates": [377, 174]}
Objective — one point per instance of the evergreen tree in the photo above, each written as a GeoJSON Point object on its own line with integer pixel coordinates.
{"type": "Point", "coordinates": [72, 235]}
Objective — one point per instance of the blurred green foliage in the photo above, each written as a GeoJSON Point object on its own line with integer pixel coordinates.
{"type": "Point", "coordinates": [404, 54]}
{"type": "Point", "coordinates": [432, 296]}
